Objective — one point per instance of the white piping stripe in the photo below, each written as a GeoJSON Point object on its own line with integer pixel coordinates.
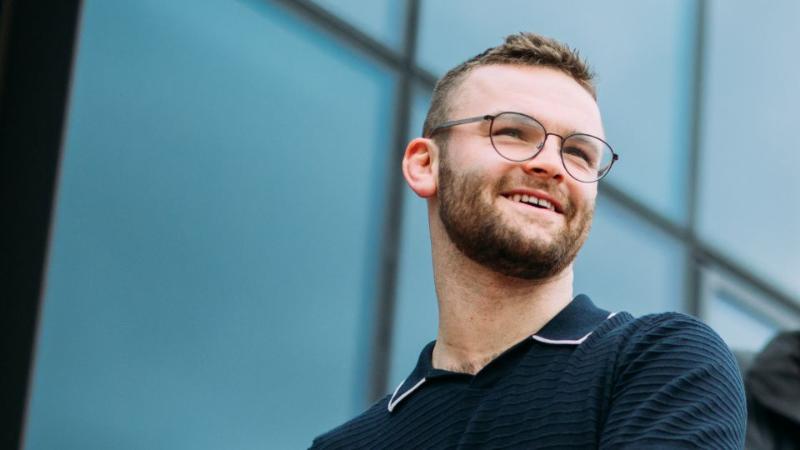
{"type": "Point", "coordinates": [561, 341]}
{"type": "Point", "coordinates": [393, 402]}
{"type": "Point", "coordinates": [397, 389]}
{"type": "Point", "coordinates": [567, 341]}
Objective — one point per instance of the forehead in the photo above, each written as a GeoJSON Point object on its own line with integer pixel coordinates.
{"type": "Point", "coordinates": [549, 95]}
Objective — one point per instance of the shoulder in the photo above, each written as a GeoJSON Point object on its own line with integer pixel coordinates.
{"type": "Point", "coordinates": [670, 343]}
{"type": "Point", "coordinates": [358, 432]}
{"type": "Point", "coordinates": [669, 328]}
{"type": "Point", "coordinates": [674, 379]}
{"type": "Point", "coordinates": [675, 335]}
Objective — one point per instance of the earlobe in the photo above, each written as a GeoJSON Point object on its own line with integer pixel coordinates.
{"type": "Point", "coordinates": [418, 166]}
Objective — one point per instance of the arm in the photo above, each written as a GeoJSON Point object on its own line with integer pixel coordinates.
{"type": "Point", "coordinates": [676, 385]}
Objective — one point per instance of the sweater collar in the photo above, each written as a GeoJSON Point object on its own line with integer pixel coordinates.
{"type": "Point", "coordinates": [571, 326]}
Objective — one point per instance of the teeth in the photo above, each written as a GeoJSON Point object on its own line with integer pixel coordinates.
{"type": "Point", "coordinates": [530, 199]}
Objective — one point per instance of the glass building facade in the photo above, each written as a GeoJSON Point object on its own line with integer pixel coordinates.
{"type": "Point", "coordinates": [236, 263]}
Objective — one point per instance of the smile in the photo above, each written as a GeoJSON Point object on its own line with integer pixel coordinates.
{"type": "Point", "coordinates": [534, 200]}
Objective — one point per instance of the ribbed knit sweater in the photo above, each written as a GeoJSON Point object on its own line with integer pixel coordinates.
{"type": "Point", "coordinates": [587, 379]}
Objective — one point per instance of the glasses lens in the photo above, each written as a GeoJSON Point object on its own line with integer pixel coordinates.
{"type": "Point", "coordinates": [516, 137]}
{"type": "Point", "coordinates": [586, 157]}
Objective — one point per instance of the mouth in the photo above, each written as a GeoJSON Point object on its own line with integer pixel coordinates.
{"type": "Point", "coordinates": [534, 199]}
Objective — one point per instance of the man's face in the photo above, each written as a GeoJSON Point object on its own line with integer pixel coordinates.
{"type": "Point", "coordinates": [481, 195]}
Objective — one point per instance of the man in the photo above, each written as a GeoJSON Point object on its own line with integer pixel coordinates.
{"type": "Point", "coordinates": [512, 151]}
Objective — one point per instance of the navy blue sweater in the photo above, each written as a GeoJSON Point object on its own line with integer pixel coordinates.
{"type": "Point", "coordinates": [587, 379]}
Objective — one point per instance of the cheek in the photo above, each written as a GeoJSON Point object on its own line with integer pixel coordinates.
{"type": "Point", "coordinates": [590, 196]}
{"type": "Point", "coordinates": [587, 192]}
{"type": "Point", "coordinates": [583, 198]}
{"type": "Point", "coordinates": [474, 152]}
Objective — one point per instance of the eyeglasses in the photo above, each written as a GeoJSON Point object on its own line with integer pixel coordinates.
{"type": "Point", "coordinates": [518, 137]}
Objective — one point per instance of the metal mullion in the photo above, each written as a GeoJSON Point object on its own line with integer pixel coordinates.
{"type": "Point", "coordinates": [707, 254]}
{"type": "Point", "coordinates": [424, 77]}
{"type": "Point", "coordinates": [700, 251]}
{"type": "Point", "coordinates": [348, 33]}
{"type": "Point", "coordinates": [403, 64]}
{"type": "Point", "coordinates": [645, 212]}
{"type": "Point", "coordinates": [694, 261]}
{"type": "Point", "coordinates": [393, 216]}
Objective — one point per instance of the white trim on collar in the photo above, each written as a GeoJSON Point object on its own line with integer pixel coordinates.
{"type": "Point", "coordinates": [578, 341]}
{"type": "Point", "coordinates": [561, 341]}
{"type": "Point", "coordinates": [393, 402]}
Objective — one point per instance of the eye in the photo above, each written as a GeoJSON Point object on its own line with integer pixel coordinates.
{"type": "Point", "coordinates": [509, 131]}
{"type": "Point", "coordinates": [580, 155]}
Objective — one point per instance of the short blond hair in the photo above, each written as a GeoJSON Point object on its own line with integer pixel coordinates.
{"type": "Point", "coordinates": [526, 49]}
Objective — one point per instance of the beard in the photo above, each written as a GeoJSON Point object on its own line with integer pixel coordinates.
{"type": "Point", "coordinates": [477, 228]}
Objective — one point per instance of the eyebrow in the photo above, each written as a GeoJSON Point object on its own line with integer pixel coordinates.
{"type": "Point", "coordinates": [569, 132]}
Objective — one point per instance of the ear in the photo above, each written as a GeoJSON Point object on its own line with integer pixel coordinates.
{"type": "Point", "coordinates": [418, 166]}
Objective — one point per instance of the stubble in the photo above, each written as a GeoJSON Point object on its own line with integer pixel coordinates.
{"type": "Point", "coordinates": [477, 228]}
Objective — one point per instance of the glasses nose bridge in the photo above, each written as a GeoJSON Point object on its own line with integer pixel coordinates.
{"type": "Point", "coordinates": [544, 141]}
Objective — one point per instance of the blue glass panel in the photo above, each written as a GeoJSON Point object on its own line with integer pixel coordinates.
{"type": "Point", "coordinates": [627, 265]}
{"type": "Point", "coordinates": [749, 205]}
{"type": "Point", "coordinates": [741, 328]}
{"type": "Point", "coordinates": [382, 19]}
{"type": "Point", "coordinates": [419, 109]}
{"type": "Point", "coordinates": [416, 312]}
{"type": "Point", "coordinates": [643, 52]}
{"type": "Point", "coordinates": [212, 254]}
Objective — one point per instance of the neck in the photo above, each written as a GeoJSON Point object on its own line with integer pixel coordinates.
{"type": "Point", "coordinates": [483, 313]}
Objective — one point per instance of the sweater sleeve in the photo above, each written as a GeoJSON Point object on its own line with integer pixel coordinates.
{"type": "Point", "coordinates": [676, 385]}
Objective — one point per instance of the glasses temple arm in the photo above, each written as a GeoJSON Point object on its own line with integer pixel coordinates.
{"type": "Point", "coordinates": [453, 123]}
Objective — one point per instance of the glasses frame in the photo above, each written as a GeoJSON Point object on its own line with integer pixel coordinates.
{"type": "Point", "coordinates": [492, 117]}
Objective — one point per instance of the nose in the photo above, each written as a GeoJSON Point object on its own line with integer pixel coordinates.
{"type": "Point", "coordinates": [547, 163]}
